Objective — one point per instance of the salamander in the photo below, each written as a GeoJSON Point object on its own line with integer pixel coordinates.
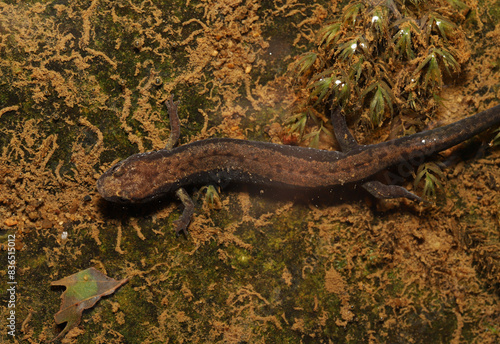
{"type": "Point", "coordinates": [147, 176]}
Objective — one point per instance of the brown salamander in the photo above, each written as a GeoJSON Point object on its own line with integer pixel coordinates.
{"type": "Point", "coordinates": [146, 176]}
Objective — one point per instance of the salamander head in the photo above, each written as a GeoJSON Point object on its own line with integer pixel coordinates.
{"type": "Point", "coordinates": [130, 181]}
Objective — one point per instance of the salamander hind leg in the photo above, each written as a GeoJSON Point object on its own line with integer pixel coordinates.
{"type": "Point", "coordinates": [383, 191]}
{"type": "Point", "coordinates": [342, 133]}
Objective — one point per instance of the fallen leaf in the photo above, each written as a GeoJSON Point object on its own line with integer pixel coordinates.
{"type": "Point", "coordinates": [83, 290]}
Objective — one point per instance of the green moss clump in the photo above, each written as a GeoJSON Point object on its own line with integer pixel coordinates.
{"type": "Point", "coordinates": [386, 58]}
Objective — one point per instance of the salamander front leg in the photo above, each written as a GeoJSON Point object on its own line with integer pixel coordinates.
{"type": "Point", "coordinates": [175, 123]}
{"type": "Point", "coordinates": [183, 222]}
{"type": "Point", "coordinates": [175, 131]}
{"type": "Point", "coordinates": [383, 191]}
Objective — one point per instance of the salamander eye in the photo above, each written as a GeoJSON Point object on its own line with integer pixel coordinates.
{"type": "Point", "coordinates": [117, 171]}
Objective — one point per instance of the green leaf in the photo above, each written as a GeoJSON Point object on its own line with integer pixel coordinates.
{"type": "Point", "coordinates": [448, 60]}
{"type": "Point", "coordinates": [356, 69]}
{"type": "Point", "coordinates": [83, 290]}
{"type": "Point", "coordinates": [321, 84]}
{"type": "Point", "coordinates": [382, 98]}
{"type": "Point", "coordinates": [305, 62]}
{"type": "Point", "coordinates": [212, 198]}
{"type": "Point", "coordinates": [314, 136]}
{"type": "Point", "coordinates": [330, 33]}
{"type": "Point", "coordinates": [321, 87]}
{"type": "Point", "coordinates": [443, 25]}
{"type": "Point", "coordinates": [377, 106]}
{"type": "Point", "coordinates": [299, 122]}
{"type": "Point", "coordinates": [351, 13]}
{"type": "Point", "coordinates": [457, 4]}
{"type": "Point", "coordinates": [432, 175]}
{"type": "Point", "coordinates": [387, 93]}
{"type": "Point", "coordinates": [432, 75]}
{"type": "Point", "coordinates": [344, 91]}
{"type": "Point", "coordinates": [341, 89]}
{"type": "Point", "coordinates": [348, 49]}
{"type": "Point", "coordinates": [402, 40]}
{"type": "Point", "coordinates": [379, 19]}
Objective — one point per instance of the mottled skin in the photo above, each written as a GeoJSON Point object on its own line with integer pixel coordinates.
{"type": "Point", "coordinates": [146, 176]}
